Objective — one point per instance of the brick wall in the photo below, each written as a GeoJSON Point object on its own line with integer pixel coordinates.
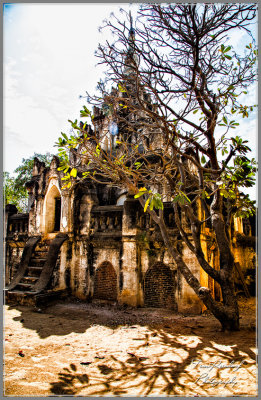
{"type": "Point", "coordinates": [105, 282]}
{"type": "Point", "coordinates": [13, 258]}
{"type": "Point", "coordinates": [159, 287]}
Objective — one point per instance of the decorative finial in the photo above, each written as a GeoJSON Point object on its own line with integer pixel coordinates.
{"type": "Point", "coordinates": [130, 18]}
{"type": "Point", "coordinates": [132, 31]}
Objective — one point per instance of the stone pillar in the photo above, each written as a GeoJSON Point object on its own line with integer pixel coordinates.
{"type": "Point", "coordinates": [30, 200]}
{"type": "Point", "coordinates": [130, 284]}
{"type": "Point", "coordinates": [65, 212]}
{"type": "Point", "coordinates": [203, 274]}
{"type": "Point", "coordinates": [32, 228]}
{"type": "Point", "coordinates": [238, 225]}
{"type": "Point", "coordinates": [88, 200]}
{"type": "Point", "coordinates": [188, 301]}
{"type": "Point", "coordinates": [10, 209]}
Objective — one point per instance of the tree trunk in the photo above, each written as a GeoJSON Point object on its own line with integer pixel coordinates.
{"type": "Point", "coordinates": [226, 261]}
{"type": "Point", "coordinates": [230, 301]}
{"type": "Point", "coordinates": [227, 313]}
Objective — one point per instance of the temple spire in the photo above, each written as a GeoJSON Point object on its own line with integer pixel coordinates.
{"type": "Point", "coordinates": [131, 36]}
{"type": "Point", "coordinates": [131, 59]}
{"type": "Point", "coordinates": [132, 31]}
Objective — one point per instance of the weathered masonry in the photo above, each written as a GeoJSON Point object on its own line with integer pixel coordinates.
{"type": "Point", "coordinates": [97, 243]}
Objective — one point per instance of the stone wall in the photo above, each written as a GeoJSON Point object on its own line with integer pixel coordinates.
{"type": "Point", "coordinates": [114, 252]}
{"type": "Point", "coordinates": [105, 282]}
{"type": "Point", "coordinates": [159, 287]}
{"type": "Point", "coordinates": [14, 251]}
{"type": "Point", "coordinates": [16, 235]}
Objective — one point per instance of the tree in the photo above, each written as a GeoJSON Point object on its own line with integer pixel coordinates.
{"type": "Point", "coordinates": [177, 97]}
{"type": "Point", "coordinates": [14, 187]}
{"type": "Point", "coordinates": [12, 195]}
{"type": "Point", "coordinates": [25, 170]}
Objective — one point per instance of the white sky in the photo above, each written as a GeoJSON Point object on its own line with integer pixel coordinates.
{"type": "Point", "coordinates": [48, 63]}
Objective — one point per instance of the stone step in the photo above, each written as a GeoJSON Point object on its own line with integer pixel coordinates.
{"type": "Point", "coordinates": [29, 279]}
{"type": "Point", "coordinates": [41, 247]}
{"type": "Point", "coordinates": [19, 297]}
{"type": "Point", "coordinates": [38, 262]}
{"type": "Point", "coordinates": [35, 267]}
{"type": "Point", "coordinates": [34, 271]}
{"type": "Point", "coordinates": [16, 291]}
{"type": "Point", "coordinates": [38, 259]}
{"type": "Point", "coordinates": [23, 286]}
{"type": "Point", "coordinates": [40, 254]}
{"type": "Point", "coordinates": [30, 298]}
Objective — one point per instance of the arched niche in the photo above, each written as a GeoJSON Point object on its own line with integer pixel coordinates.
{"type": "Point", "coordinates": [105, 282]}
{"type": "Point", "coordinates": [159, 287]}
{"type": "Point", "coordinates": [121, 199]}
{"type": "Point", "coordinates": [52, 210]}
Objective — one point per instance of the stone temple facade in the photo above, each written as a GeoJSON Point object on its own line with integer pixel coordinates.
{"type": "Point", "coordinates": [96, 243]}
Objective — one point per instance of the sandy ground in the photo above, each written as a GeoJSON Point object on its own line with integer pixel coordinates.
{"type": "Point", "coordinates": [78, 349]}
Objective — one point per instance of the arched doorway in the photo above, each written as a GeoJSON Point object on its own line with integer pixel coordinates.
{"type": "Point", "coordinates": [105, 282]}
{"type": "Point", "coordinates": [53, 210]}
{"type": "Point", "coordinates": [159, 287]}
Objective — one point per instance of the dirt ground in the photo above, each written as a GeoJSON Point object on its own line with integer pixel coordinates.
{"type": "Point", "coordinates": [79, 349]}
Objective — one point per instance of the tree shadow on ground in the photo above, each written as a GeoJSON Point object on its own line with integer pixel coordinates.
{"type": "Point", "coordinates": [69, 379]}
{"type": "Point", "coordinates": [175, 343]}
{"type": "Point", "coordinates": [63, 317]}
{"type": "Point", "coordinates": [47, 322]}
{"type": "Point", "coordinates": [143, 376]}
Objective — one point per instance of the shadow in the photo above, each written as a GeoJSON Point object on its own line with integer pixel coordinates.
{"type": "Point", "coordinates": [49, 321]}
{"type": "Point", "coordinates": [164, 360]}
{"type": "Point", "coordinates": [68, 381]}
{"type": "Point", "coordinates": [140, 376]}
{"type": "Point", "coordinates": [61, 318]}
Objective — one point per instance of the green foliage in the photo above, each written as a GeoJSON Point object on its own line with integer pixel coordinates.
{"type": "Point", "coordinates": [85, 112]}
{"type": "Point", "coordinates": [223, 51]}
{"type": "Point", "coordinates": [223, 88]}
{"type": "Point", "coordinates": [154, 200]}
{"type": "Point", "coordinates": [73, 172]}
{"type": "Point", "coordinates": [181, 198]}
{"type": "Point", "coordinates": [203, 160]}
{"type": "Point", "coordinates": [230, 94]}
{"type": "Point", "coordinates": [240, 174]}
{"type": "Point", "coordinates": [245, 207]}
{"type": "Point", "coordinates": [64, 144]}
{"type": "Point", "coordinates": [138, 164]}
{"type": "Point", "coordinates": [14, 187]}
{"type": "Point", "coordinates": [121, 88]}
{"type": "Point", "coordinates": [25, 170]}
{"type": "Point", "coordinates": [141, 192]}
{"type": "Point", "coordinates": [12, 195]}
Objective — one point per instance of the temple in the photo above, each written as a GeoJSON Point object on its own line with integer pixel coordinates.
{"type": "Point", "coordinates": [95, 242]}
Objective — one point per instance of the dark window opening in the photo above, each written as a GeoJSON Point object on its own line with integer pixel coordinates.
{"type": "Point", "coordinates": [57, 215]}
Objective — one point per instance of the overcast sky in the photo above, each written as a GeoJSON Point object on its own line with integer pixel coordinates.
{"type": "Point", "coordinates": [48, 63]}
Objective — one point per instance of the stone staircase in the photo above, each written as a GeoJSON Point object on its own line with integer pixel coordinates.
{"type": "Point", "coordinates": [35, 267]}
{"type": "Point", "coordinates": [31, 283]}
